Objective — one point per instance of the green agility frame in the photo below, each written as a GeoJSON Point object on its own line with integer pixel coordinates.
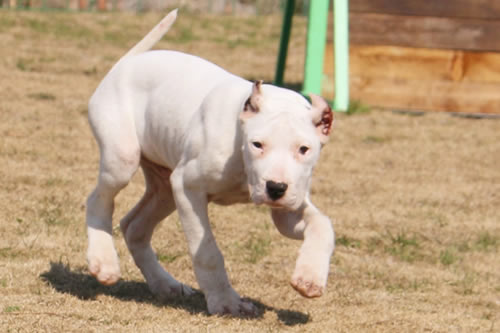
{"type": "Point", "coordinates": [316, 39]}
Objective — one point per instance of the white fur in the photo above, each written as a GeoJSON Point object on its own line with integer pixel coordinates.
{"type": "Point", "coordinates": [194, 129]}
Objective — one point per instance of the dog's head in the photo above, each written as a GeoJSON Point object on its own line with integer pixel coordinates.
{"type": "Point", "coordinates": [282, 137]}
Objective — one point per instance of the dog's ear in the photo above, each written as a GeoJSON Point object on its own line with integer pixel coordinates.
{"type": "Point", "coordinates": [322, 117]}
{"type": "Point", "coordinates": [252, 104]}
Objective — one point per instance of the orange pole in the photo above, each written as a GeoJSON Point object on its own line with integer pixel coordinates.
{"type": "Point", "coordinates": [82, 4]}
{"type": "Point", "coordinates": [101, 5]}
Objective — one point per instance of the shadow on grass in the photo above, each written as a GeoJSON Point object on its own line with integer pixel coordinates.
{"type": "Point", "coordinates": [79, 283]}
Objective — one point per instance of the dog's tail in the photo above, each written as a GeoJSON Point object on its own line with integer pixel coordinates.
{"type": "Point", "coordinates": [153, 36]}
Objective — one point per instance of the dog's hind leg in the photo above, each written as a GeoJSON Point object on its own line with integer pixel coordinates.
{"type": "Point", "coordinates": [138, 226]}
{"type": "Point", "coordinates": [119, 160]}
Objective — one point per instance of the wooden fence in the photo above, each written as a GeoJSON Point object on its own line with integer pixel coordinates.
{"type": "Point", "coordinates": [424, 55]}
{"type": "Point", "coordinates": [252, 7]}
{"type": "Point", "coordinates": [100, 5]}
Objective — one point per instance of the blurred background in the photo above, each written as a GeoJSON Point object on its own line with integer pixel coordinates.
{"type": "Point", "coordinates": [403, 54]}
{"type": "Point", "coordinates": [210, 6]}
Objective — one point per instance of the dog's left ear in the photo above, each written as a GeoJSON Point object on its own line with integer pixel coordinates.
{"type": "Point", "coordinates": [252, 105]}
{"type": "Point", "coordinates": [322, 117]}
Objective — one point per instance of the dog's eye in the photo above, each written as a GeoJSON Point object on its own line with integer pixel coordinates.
{"type": "Point", "coordinates": [303, 150]}
{"type": "Point", "coordinates": [257, 144]}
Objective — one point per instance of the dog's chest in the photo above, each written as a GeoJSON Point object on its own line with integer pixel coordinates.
{"type": "Point", "coordinates": [233, 195]}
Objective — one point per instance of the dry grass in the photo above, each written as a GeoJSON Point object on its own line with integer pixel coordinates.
{"type": "Point", "coordinates": [415, 200]}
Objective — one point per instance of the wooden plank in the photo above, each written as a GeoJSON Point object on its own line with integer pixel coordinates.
{"type": "Point", "coordinates": [427, 32]}
{"type": "Point", "coordinates": [467, 97]}
{"type": "Point", "coordinates": [421, 79]}
{"type": "Point", "coordinates": [419, 64]}
{"type": "Point", "coordinates": [446, 96]}
{"type": "Point", "coordinates": [477, 9]}
{"type": "Point", "coordinates": [398, 62]}
{"type": "Point", "coordinates": [482, 67]}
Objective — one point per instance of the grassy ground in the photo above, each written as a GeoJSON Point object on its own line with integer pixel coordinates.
{"type": "Point", "coordinates": [414, 199]}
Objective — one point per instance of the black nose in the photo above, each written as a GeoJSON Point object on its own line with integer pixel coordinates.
{"type": "Point", "coordinates": [275, 190]}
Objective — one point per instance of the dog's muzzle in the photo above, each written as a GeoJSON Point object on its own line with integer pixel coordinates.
{"type": "Point", "coordinates": [275, 190]}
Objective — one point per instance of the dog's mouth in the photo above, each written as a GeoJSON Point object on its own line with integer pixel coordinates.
{"type": "Point", "coordinates": [282, 203]}
{"type": "Point", "coordinates": [259, 196]}
{"type": "Point", "coordinates": [263, 199]}
{"type": "Point", "coordinates": [274, 204]}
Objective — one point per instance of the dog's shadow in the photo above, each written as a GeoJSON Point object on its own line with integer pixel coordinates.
{"type": "Point", "coordinates": [79, 283]}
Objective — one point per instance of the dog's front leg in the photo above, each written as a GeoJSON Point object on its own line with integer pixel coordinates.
{"type": "Point", "coordinates": [312, 266]}
{"type": "Point", "coordinates": [289, 223]}
{"type": "Point", "coordinates": [208, 262]}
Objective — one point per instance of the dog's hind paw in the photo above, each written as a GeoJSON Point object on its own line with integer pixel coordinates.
{"type": "Point", "coordinates": [106, 272]}
{"type": "Point", "coordinates": [102, 258]}
{"type": "Point", "coordinates": [165, 289]}
{"type": "Point", "coordinates": [230, 303]}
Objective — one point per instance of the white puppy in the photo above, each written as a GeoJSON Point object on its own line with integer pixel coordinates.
{"type": "Point", "coordinates": [203, 135]}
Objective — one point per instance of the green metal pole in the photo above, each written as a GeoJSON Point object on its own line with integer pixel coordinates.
{"type": "Point", "coordinates": [285, 38]}
{"type": "Point", "coordinates": [316, 39]}
{"type": "Point", "coordinates": [341, 37]}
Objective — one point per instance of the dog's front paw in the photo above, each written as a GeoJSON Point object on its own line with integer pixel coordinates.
{"type": "Point", "coordinates": [308, 281]}
{"type": "Point", "coordinates": [306, 287]}
{"type": "Point", "coordinates": [230, 303]}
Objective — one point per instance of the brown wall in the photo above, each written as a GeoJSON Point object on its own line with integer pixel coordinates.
{"type": "Point", "coordinates": [424, 55]}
